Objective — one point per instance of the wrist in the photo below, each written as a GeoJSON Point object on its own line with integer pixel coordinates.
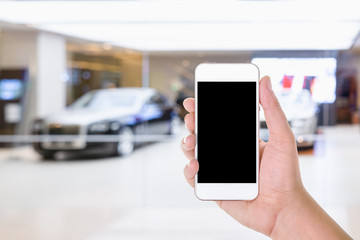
{"type": "Point", "coordinates": [303, 218]}
{"type": "Point", "coordinates": [286, 221]}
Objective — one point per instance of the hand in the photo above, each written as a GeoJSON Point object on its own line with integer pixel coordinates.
{"type": "Point", "coordinates": [281, 191]}
{"type": "Point", "coordinates": [279, 177]}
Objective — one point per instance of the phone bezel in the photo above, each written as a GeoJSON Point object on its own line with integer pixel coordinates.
{"type": "Point", "coordinates": [228, 72]}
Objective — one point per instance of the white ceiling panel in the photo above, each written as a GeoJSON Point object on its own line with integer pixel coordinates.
{"type": "Point", "coordinates": [196, 25]}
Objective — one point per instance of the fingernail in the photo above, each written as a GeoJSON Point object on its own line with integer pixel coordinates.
{"type": "Point", "coordinates": [268, 84]}
{"type": "Point", "coordinates": [184, 140]}
{"type": "Point", "coordinates": [188, 164]}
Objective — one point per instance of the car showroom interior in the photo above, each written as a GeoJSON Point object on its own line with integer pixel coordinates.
{"type": "Point", "coordinates": [92, 115]}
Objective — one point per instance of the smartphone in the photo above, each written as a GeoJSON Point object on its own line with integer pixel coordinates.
{"type": "Point", "coordinates": [227, 131]}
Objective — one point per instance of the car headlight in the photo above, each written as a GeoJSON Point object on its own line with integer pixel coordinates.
{"type": "Point", "coordinates": [99, 127]}
{"type": "Point", "coordinates": [115, 126]}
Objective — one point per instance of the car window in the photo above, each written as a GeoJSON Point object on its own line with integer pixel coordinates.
{"type": "Point", "coordinates": [289, 100]}
{"type": "Point", "coordinates": [106, 100]}
{"type": "Point", "coordinates": [157, 99]}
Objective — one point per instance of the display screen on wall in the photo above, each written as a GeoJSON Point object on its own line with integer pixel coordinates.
{"type": "Point", "coordinates": [10, 89]}
{"type": "Point", "coordinates": [295, 74]}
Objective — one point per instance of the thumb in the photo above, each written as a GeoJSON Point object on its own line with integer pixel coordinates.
{"type": "Point", "coordinates": [275, 118]}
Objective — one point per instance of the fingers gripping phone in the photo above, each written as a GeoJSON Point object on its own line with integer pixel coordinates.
{"type": "Point", "coordinates": [226, 127]}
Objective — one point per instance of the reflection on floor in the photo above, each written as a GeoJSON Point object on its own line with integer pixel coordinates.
{"type": "Point", "coordinates": [144, 196]}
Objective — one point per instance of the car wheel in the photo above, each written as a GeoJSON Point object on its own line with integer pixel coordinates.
{"type": "Point", "coordinates": [48, 155]}
{"type": "Point", "coordinates": [126, 144]}
{"type": "Point", "coordinates": [174, 126]}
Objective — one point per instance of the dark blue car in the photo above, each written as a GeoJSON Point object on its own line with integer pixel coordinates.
{"type": "Point", "coordinates": [107, 122]}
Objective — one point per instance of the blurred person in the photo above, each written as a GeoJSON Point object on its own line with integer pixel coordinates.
{"type": "Point", "coordinates": [283, 209]}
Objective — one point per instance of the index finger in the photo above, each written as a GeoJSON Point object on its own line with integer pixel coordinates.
{"type": "Point", "coordinates": [189, 105]}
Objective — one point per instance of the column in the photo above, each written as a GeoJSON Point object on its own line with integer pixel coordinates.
{"type": "Point", "coordinates": [51, 70]}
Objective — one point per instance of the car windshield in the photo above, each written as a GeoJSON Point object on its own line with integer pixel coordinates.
{"type": "Point", "coordinates": [289, 100]}
{"type": "Point", "coordinates": [106, 100]}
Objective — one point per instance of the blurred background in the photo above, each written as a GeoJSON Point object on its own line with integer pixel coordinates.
{"type": "Point", "coordinates": [91, 115]}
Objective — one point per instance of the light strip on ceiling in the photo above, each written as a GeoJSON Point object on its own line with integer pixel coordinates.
{"type": "Point", "coordinates": [196, 25]}
{"type": "Point", "coordinates": [220, 36]}
{"type": "Point", "coordinates": [40, 12]}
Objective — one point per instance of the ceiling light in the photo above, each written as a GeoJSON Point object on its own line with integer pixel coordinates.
{"type": "Point", "coordinates": [107, 46]}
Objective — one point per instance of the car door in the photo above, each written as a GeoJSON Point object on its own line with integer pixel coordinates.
{"type": "Point", "coordinates": [157, 114]}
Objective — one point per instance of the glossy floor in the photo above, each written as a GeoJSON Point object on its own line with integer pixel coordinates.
{"type": "Point", "coordinates": [144, 196]}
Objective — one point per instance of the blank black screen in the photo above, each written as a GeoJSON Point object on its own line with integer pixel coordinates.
{"type": "Point", "coordinates": [226, 137]}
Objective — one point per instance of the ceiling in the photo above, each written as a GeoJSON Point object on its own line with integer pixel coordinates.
{"type": "Point", "coordinates": [196, 25]}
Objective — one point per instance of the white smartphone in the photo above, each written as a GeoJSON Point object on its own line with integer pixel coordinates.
{"type": "Point", "coordinates": [227, 131]}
